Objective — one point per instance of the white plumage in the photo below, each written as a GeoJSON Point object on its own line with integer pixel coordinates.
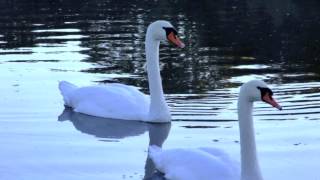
{"type": "Point", "coordinates": [194, 164]}
{"type": "Point", "coordinates": [119, 101]}
{"type": "Point", "coordinates": [113, 100]}
{"type": "Point", "coordinates": [214, 164]}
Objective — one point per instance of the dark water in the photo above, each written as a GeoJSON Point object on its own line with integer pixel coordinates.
{"type": "Point", "coordinates": [228, 42]}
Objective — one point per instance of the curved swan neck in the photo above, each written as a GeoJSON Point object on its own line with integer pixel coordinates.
{"type": "Point", "coordinates": [250, 169]}
{"type": "Point", "coordinates": [158, 111]}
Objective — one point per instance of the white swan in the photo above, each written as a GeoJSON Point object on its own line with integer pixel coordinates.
{"type": "Point", "coordinates": [119, 101]}
{"type": "Point", "coordinates": [214, 164]}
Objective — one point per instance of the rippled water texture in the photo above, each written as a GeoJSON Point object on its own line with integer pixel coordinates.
{"type": "Point", "coordinates": [228, 42]}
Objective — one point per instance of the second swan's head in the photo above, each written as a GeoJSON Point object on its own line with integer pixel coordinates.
{"type": "Point", "coordinates": [164, 31]}
{"type": "Point", "coordinates": [256, 90]}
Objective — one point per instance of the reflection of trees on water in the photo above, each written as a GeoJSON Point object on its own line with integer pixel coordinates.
{"type": "Point", "coordinates": [219, 34]}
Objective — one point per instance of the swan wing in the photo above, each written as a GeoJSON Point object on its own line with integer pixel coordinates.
{"type": "Point", "coordinates": [192, 164]}
{"type": "Point", "coordinates": [113, 100]}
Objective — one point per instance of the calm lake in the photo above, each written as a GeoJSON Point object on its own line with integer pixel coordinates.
{"type": "Point", "coordinates": [228, 42]}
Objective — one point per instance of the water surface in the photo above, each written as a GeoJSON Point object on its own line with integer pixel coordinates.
{"type": "Point", "coordinates": [97, 42]}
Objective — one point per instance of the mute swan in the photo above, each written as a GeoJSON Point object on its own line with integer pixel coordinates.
{"type": "Point", "coordinates": [119, 101]}
{"type": "Point", "coordinates": [214, 164]}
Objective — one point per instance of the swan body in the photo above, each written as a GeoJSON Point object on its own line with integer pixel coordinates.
{"type": "Point", "coordinates": [119, 101]}
{"type": "Point", "coordinates": [214, 164]}
{"type": "Point", "coordinates": [108, 100]}
{"type": "Point", "coordinates": [194, 164]}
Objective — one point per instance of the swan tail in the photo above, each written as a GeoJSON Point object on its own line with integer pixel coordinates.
{"type": "Point", "coordinates": [65, 89]}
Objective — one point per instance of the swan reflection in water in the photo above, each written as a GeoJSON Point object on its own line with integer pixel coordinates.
{"type": "Point", "coordinates": [119, 129]}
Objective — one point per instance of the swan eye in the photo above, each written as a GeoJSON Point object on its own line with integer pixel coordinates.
{"type": "Point", "coordinates": [265, 91]}
{"type": "Point", "coordinates": [170, 30]}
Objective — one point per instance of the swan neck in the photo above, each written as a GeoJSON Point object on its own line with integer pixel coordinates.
{"type": "Point", "coordinates": [158, 111]}
{"type": "Point", "coordinates": [250, 169]}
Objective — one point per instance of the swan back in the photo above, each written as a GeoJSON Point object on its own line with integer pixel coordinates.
{"type": "Point", "coordinates": [194, 164]}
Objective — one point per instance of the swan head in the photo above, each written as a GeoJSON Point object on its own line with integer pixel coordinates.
{"type": "Point", "coordinates": [164, 31]}
{"type": "Point", "coordinates": [257, 90]}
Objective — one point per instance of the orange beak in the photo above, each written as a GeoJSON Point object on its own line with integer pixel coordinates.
{"type": "Point", "coordinates": [268, 99]}
{"type": "Point", "coordinates": [175, 40]}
